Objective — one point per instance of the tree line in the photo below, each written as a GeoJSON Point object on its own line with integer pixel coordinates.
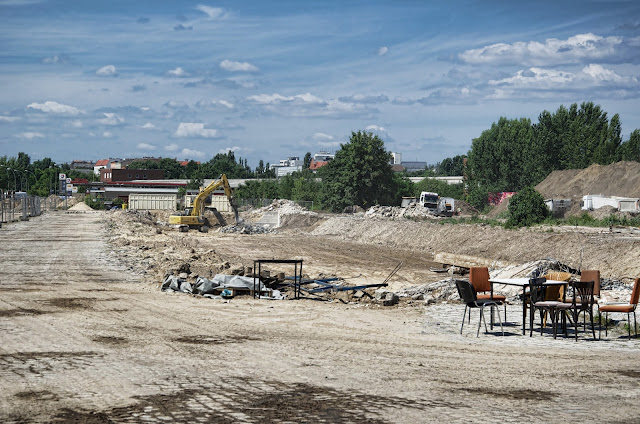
{"type": "Point", "coordinates": [516, 153]}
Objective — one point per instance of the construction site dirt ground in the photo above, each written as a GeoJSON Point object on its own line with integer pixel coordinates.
{"type": "Point", "coordinates": [87, 336]}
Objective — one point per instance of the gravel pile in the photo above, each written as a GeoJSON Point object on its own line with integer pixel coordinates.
{"type": "Point", "coordinates": [246, 228]}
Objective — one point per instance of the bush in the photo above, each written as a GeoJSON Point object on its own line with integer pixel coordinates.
{"type": "Point", "coordinates": [526, 208]}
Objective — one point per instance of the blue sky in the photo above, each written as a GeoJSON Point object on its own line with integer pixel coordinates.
{"type": "Point", "coordinates": [89, 80]}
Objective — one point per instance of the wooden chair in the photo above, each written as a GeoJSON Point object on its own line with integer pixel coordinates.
{"type": "Point", "coordinates": [479, 279]}
{"type": "Point", "coordinates": [554, 293]}
{"type": "Point", "coordinates": [537, 301]}
{"type": "Point", "coordinates": [581, 302]}
{"type": "Point", "coordinates": [627, 309]}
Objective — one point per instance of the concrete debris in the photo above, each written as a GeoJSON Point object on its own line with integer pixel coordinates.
{"type": "Point", "coordinates": [246, 228]}
{"type": "Point", "coordinates": [390, 299]}
{"type": "Point", "coordinates": [397, 212]}
{"type": "Point", "coordinates": [286, 207]}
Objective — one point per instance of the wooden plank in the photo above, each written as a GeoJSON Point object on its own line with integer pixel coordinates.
{"type": "Point", "coordinates": [467, 261]}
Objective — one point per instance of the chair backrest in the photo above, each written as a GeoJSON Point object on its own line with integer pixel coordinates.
{"type": "Point", "coordinates": [466, 292]}
{"type": "Point", "coordinates": [558, 276]}
{"type": "Point", "coordinates": [592, 275]}
{"type": "Point", "coordinates": [636, 292]}
{"type": "Point", "coordinates": [584, 291]}
{"type": "Point", "coordinates": [479, 278]}
{"type": "Point", "coordinates": [537, 290]}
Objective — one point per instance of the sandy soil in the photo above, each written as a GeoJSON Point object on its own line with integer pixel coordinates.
{"type": "Point", "coordinates": [86, 336]}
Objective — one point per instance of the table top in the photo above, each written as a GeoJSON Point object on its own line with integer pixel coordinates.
{"type": "Point", "coordinates": [521, 282]}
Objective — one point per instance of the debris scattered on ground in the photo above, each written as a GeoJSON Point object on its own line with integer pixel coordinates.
{"type": "Point", "coordinates": [247, 228]}
{"type": "Point", "coordinates": [396, 212]}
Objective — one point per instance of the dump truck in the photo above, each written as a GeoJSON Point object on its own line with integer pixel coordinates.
{"type": "Point", "coordinates": [193, 217]}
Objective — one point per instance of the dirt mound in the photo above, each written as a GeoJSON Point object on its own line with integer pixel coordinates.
{"type": "Point", "coordinates": [81, 207]}
{"type": "Point", "coordinates": [617, 179]}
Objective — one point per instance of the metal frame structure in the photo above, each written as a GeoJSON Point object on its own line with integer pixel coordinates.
{"type": "Point", "coordinates": [257, 274]}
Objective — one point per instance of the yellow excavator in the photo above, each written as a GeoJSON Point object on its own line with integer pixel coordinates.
{"type": "Point", "coordinates": [193, 217]}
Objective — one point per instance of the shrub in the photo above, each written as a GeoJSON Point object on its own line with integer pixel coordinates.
{"type": "Point", "coordinates": [526, 208]}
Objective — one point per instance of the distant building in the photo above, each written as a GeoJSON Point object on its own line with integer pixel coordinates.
{"type": "Point", "coordinates": [414, 166]}
{"type": "Point", "coordinates": [82, 166]}
{"type": "Point", "coordinates": [397, 158]}
{"type": "Point", "coordinates": [101, 164]}
{"type": "Point", "coordinates": [288, 166]}
{"type": "Point", "coordinates": [320, 159]}
{"type": "Point", "coordinates": [114, 175]}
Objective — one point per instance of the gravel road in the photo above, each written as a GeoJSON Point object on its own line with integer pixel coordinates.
{"type": "Point", "coordinates": [83, 338]}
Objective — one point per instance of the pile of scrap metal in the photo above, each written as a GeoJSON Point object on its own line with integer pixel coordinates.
{"type": "Point", "coordinates": [332, 285]}
{"type": "Point", "coordinates": [221, 286]}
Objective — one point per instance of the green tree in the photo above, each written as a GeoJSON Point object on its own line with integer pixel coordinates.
{"type": "Point", "coordinates": [307, 160]}
{"type": "Point", "coordinates": [451, 166]}
{"type": "Point", "coordinates": [360, 174]}
{"type": "Point", "coordinates": [526, 208]}
{"type": "Point", "coordinates": [630, 149]}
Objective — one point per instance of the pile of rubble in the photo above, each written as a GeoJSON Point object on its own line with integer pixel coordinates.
{"type": "Point", "coordinates": [285, 207]}
{"type": "Point", "coordinates": [247, 228]}
{"type": "Point", "coordinates": [396, 212]}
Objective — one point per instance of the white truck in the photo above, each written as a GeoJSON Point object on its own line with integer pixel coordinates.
{"type": "Point", "coordinates": [439, 206]}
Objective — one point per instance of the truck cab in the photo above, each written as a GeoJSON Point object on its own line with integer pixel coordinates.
{"type": "Point", "coordinates": [429, 200]}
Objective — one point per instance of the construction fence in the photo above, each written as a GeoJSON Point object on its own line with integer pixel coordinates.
{"type": "Point", "coordinates": [19, 207]}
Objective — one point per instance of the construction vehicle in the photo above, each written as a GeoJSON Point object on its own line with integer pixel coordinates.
{"type": "Point", "coordinates": [429, 200]}
{"type": "Point", "coordinates": [439, 206]}
{"type": "Point", "coordinates": [193, 216]}
{"type": "Point", "coordinates": [446, 207]}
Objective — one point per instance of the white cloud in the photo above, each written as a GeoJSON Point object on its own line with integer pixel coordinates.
{"type": "Point", "coordinates": [54, 107]}
{"type": "Point", "coordinates": [76, 124]}
{"type": "Point", "coordinates": [229, 65]}
{"type": "Point", "coordinates": [8, 118]}
{"type": "Point", "coordinates": [383, 50]}
{"type": "Point", "coordinates": [171, 147]}
{"type": "Point", "coordinates": [146, 146]}
{"type": "Point", "coordinates": [194, 129]}
{"type": "Point", "coordinates": [227, 104]}
{"type": "Point", "coordinates": [107, 71]}
{"type": "Point", "coordinates": [111, 119]}
{"type": "Point", "coordinates": [277, 98]}
{"type": "Point", "coordinates": [574, 49]}
{"type": "Point", "coordinates": [361, 98]}
{"type": "Point", "coordinates": [537, 77]}
{"type": "Point", "coordinates": [107, 134]}
{"type": "Point", "coordinates": [51, 60]}
{"type": "Point", "coordinates": [230, 149]}
{"type": "Point", "coordinates": [321, 136]}
{"type": "Point", "coordinates": [31, 135]}
{"type": "Point", "coordinates": [375, 128]}
{"type": "Point", "coordinates": [600, 73]}
{"type": "Point", "coordinates": [148, 126]}
{"type": "Point", "coordinates": [178, 72]}
{"type": "Point", "coordinates": [189, 153]}
{"type": "Point", "coordinates": [212, 12]}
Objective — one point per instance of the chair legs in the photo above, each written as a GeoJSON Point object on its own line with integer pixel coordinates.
{"type": "Point", "coordinates": [481, 320]}
{"type": "Point", "coordinates": [606, 324]}
{"type": "Point", "coordinates": [464, 316]}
